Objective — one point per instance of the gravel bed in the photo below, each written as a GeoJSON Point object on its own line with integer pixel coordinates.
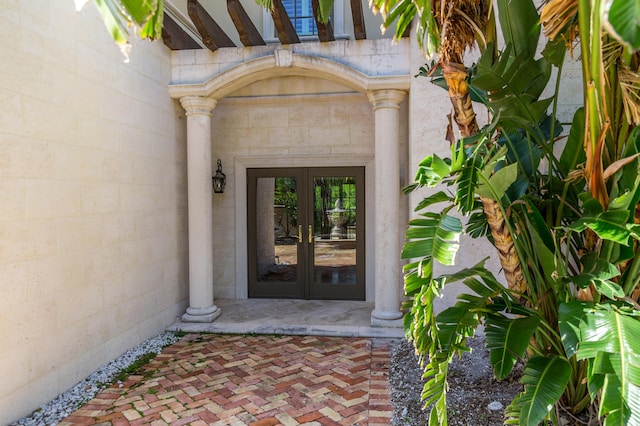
{"type": "Point", "coordinates": [50, 414]}
{"type": "Point", "coordinates": [474, 397]}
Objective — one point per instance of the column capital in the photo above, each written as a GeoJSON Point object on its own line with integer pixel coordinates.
{"type": "Point", "coordinates": [198, 105]}
{"type": "Point", "coordinates": [386, 98]}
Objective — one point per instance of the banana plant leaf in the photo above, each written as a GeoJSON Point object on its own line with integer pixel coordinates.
{"type": "Point", "coordinates": [600, 273]}
{"type": "Point", "coordinates": [499, 182]}
{"type": "Point", "coordinates": [623, 23]}
{"type": "Point", "coordinates": [438, 197]}
{"type": "Point", "coordinates": [507, 339]}
{"type": "Point", "coordinates": [608, 337]}
{"type": "Point", "coordinates": [434, 392]}
{"type": "Point", "coordinates": [477, 226]}
{"type": "Point", "coordinates": [609, 225]}
{"type": "Point", "coordinates": [544, 381]}
{"type": "Point", "coordinates": [432, 170]}
{"type": "Point", "coordinates": [573, 152]}
{"type": "Point", "coordinates": [519, 151]}
{"type": "Point", "coordinates": [467, 183]}
{"type": "Point", "coordinates": [120, 15]}
{"type": "Point", "coordinates": [520, 26]}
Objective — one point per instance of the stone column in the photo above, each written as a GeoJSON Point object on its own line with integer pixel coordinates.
{"type": "Point", "coordinates": [388, 228]}
{"type": "Point", "coordinates": [200, 192]}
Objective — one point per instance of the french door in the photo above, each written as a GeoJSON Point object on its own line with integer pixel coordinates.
{"type": "Point", "coordinates": [306, 233]}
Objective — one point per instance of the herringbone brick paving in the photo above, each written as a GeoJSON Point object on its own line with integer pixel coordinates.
{"type": "Point", "coordinates": [252, 380]}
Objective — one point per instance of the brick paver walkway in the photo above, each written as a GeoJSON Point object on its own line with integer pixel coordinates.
{"type": "Point", "coordinates": [252, 380]}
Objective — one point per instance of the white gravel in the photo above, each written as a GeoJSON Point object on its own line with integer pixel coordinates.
{"type": "Point", "coordinates": [50, 414]}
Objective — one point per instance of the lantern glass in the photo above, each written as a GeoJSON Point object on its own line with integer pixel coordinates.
{"type": "Point", "coordinates": [219, 179]}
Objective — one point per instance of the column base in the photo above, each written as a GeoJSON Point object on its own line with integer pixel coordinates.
{"type": "Point", "coordinates": [201, 314]}
{"type": "Point", "coordinates": [391, 319]}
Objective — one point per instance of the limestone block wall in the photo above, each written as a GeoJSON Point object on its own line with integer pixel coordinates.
{"type": "Point", "coordinates": [93, 229]}
{"type": "Point", "coordinates": [372, 57]}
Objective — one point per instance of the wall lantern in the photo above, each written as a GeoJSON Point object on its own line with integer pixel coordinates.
{"type": "Point", "coordinates": [219, 179]}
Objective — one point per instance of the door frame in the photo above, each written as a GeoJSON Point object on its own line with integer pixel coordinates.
{"type": "Point", "coordinates": [239, 187]}
{"type": "Point", "coordinates": [305, 286]}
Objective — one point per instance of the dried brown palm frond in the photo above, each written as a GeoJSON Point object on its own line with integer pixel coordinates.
{"type": "Point", "coordinates": [461, 22]}
{"type": "Point", "coordinates": [558, 17]}
{"type": "Point", "coordinates": [611, 52]}
{"type": "Point", "coordinates": [630, 89]}
{"type": "Point", "coordinates": [576, 174]}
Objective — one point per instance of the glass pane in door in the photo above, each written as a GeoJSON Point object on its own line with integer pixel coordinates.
{"type": "Point", "coordinates": [276, 230]}
{"type": "Point", "coordinates": [334, 230]}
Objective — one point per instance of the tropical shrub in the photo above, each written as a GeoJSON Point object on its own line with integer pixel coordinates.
{"type": "Point", "coordinates": [561, 208]}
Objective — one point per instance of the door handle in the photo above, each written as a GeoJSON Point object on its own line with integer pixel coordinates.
{"type": "Point", "coordinates": [310, 234]}
{"type": "Point", "coordinates": [299, 233]}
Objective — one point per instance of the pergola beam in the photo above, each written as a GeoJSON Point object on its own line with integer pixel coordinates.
{"type": "Point", "coordinates": [325, 31]}
{"type": "Point", "coordinates": [249, 34]}
{"type": "Point", "coordinates": [212, 35]}
{"type": "Point", "coordinates": [359, 29]}
{"type": "Point", "coordinates": [175, 38]}
{"type": "Point", "coordinates": [286, 32]}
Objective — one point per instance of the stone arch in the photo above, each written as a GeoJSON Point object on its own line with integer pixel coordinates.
{"type": "Point", "coordinates": [286, 63]}
{"type": "Point", "coordinates": [385, 92]}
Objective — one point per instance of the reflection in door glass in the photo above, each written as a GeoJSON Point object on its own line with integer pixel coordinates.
{"type": "Point", "coordinates": [334, 230]}
{"type": "Point", "coordinates": [277, 229]}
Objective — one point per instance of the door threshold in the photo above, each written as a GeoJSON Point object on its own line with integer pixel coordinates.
{"type": "Point", "coordinates": [292, 317]}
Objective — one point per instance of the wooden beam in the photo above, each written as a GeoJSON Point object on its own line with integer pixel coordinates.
{"type": "Point", "coordinates": [325, 31]}
{"type": "Point", "coordinates": [286, 32]}
{"type": "Point", "coordinates": [359, 30]}
{"type": "Point", "coordinates": [249, 34]}
{"type": "Point", "coordinates": [212, 35]}
{"type": "Point", "coordinates": [175, 38]}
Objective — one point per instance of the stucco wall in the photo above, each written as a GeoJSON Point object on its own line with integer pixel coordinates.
{"type": "Point", "coordinates": [93, 223]}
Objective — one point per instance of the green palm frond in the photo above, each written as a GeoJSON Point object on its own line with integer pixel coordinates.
{"type": "Point", "coordinates": [519, 22]}
{"type": "Point", "coordinates": [433, 237]}
{"type": "Point", "coordinates": [515, 86]}
{"type": "Point", "coordinates": [402, 12]}
{"type": "Point", "coordinates": [121, 17]}
{"type": "Point", "coordinates": [432, 170]}
{"type": "Point", "coordinates": [468, 181]}
{"type": "Point", "coordinates": [438, 197]}
{"type": "Point", "coordinates": [434, 392]}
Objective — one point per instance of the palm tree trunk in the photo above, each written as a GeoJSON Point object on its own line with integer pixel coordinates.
{"type": "Point", "coordinates": [504, 244]}
{"type": "Point", "coordinates": [455, 75]}
{"type": "Point", "coordinates": [463, 113]}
